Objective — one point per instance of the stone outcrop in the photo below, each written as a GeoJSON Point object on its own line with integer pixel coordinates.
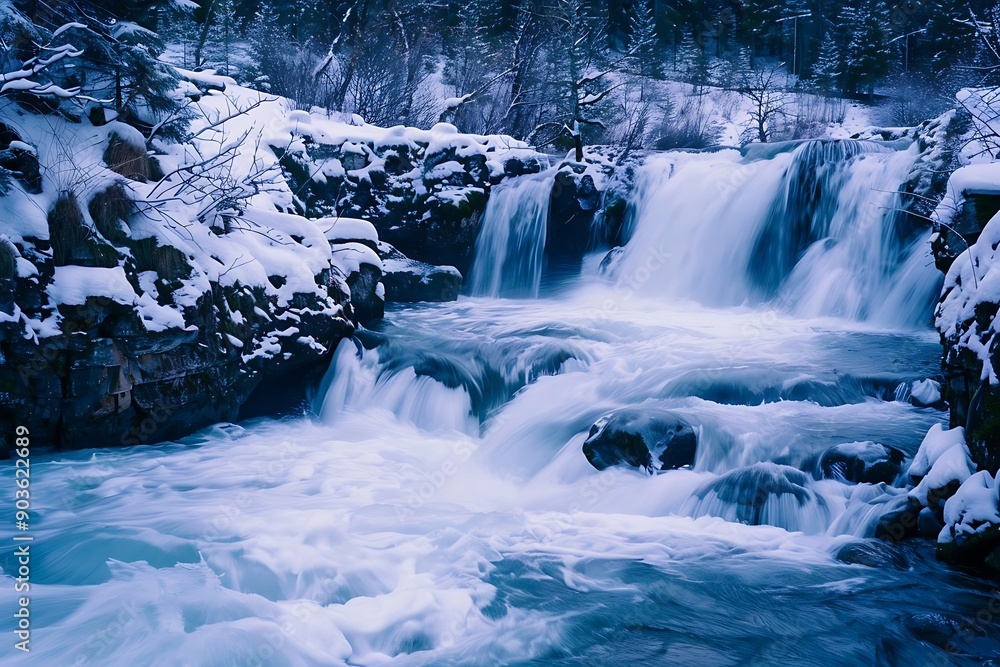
{"type": "Point", "coordinates": [424, 196]}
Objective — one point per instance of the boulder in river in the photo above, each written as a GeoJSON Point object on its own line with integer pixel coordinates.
{"type": "Point", "coordinates": [408, 280]}
{"type": "Point", "coordinates": [873, 553]}
{"type": "Point", "coordinates": [647, 439]}
{"type": "Point", "coordinates": [862, 462]}
{"type": "Point", "coordinates": [971, 536]}
{"type": "Point", "coordinates": [764, 493]}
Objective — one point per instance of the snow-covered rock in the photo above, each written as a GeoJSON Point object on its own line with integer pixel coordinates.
{"type": "Point", "coordinates": [135, 308]}
{"type": "Point", "coordinates": [423, 190]}
{"type": "Point", "coordinates": [925, 393]}
{"type": "Point", "coordinates": [971, 534]}
{"type": "Point", "coordinates": [407, 280]}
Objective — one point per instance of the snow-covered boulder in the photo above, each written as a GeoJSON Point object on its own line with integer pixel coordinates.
{"type": "Point", "coordinates": [926, 393]}
{"type": "Point", "coordinates": [361, 268]}
{"type": "Point", "coordinates": [937, 470]}
{"type": "Point", "coordinates": [378, 273]}
{"type": "Point", "coordinates": [942, 463]}
{"type": "Point", "coordinates": [966, 318]}
{"type": "Point", "coordinates": [407, 280]}
{"type": "Point", "coordinates": [971, 534]}
{"type": "Point", "coordinates": [133, 307]}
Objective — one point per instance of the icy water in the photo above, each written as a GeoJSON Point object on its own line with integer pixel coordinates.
{"type": "Point", "coordinates": [435, 507]}
{"type": "Point", "coordinates": [393, 529]}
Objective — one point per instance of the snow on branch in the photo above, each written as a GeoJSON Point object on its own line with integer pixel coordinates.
{"type": "Point", "coordinates": [23, 80]}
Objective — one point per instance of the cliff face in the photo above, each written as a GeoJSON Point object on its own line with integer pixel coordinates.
{"type": "Point", "coordinates": [966, 314]}
{"type": "Point", "coordinates": [967, 232]}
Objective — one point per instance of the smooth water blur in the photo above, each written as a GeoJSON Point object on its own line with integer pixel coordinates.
{"type": "Point", "coordinates": [509, 254]}
{"type": "Point", "coordinates": [816, 231]}
{"type": "Point", "coordinates": [436, 507]}
{"type": "Point", "coordinates": [439, 511]}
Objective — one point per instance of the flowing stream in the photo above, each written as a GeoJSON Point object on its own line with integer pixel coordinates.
{"type": "Point", "coordinates": [436, 508]}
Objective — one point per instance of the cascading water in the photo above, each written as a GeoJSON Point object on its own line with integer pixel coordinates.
{"type": "Point", "coordinates": [815, 230]}
{"type": "Point", "coordinates": [438, 508]}
{"type": "Point", "coordinates": [510, 248]}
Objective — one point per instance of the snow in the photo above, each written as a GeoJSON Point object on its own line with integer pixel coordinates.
{"type": "Point", "coordinates": [208, 77]}
{"type": "Point", "coordinates": [444, 170]}
{"type": "Point", "coordinates": [935, 443]}
{"type": "Point", "coordinates": [927, 391]}
{"type": "Point", "coordinates": [349, 257]}
{"type": "Point", "coordinates": [396, 265]}
{"type": "Point", "coordinates": [348, 229]}
{"type": "Point", "coordinates": [25, 269]}
{"type": "Point", "coordinates": [948, 459]}
{"type": "Point", "coordinates": [72, 285]}
{"type": "Point", "coordinates": [972, 509]}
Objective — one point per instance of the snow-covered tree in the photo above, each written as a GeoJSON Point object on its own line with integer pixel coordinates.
{"type": "Point", "coordinates": [583, 80]}
{"type": "Point", "coordinates": [644, 42]}
{"type": "Point", "coordinates": [46, 52]}
{"type": "Point", "coordinates": [828, 70]}
{"type": "Point", "coordinates": [865, 55]}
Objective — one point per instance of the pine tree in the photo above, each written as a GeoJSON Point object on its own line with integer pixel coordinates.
{"type": "Point", "coordinates": [828, 70]}
{"type": "Point", "coordinates": [224, 32]}
{"type": "Point", "coordinates": [143, 85]}
{"type": "Point", "coordinates": [644, 43]}
{"type": "Point", "coordinates": [121, 64]}
{"type": "Point", "coordinates": [693, 63]}
{"type": "Point", "coordinates": [267, 43]}
{"type": "Point", "coordinates": [865, 57]}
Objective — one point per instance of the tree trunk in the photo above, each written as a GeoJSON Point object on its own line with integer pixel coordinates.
{"type": "Point", "coordinates": [203, 36]}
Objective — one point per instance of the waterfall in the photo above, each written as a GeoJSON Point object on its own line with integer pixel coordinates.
{"type": "Point", "coordinates": [357, 380]}
{"type": "Point", "coordinates": [815, 230]}
{"type": "Point", "coordinates": [509, 255]}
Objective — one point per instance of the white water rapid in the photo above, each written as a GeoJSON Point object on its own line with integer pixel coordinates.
{"type": "Point", "coordinates": [436, 508]}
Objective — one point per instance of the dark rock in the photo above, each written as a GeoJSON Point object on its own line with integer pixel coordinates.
{"type": "Point", "coordinates": [646, 439]}
{"type": "Point", "coordinates": [516, 166]}
{"type": "Point", "coordinates": [431, 216]}
{"type": "Point", "coordinates": [935, 629]}
{"type": "Point", "coordinates": [749, 490]}
{"type": "Point", "coordinates": [979, 550]}
{"type": "Point", "coordinates": [862, 462]}
{"type": "Point", "coordinates": [22, 165]}
{"type": "Point", "coordinates": [574, 202]}
{"type": "Point", "coordinates": [106, 381]}
{"type": "Point", "coordinates": [982, 433]}
{"type": "Point", "coordinates": [876, 554]}
{"type": "Point", "coordinates": [408, 281]}
{"type": "Point", "coordinates": [929, 523]}
{"type": "Point", "coordinates": [900, 523]}
{"type": "Point", "coordinates": [962, 640]}
{"type": "Point", "coordinates": [609, 264]}
{"type": "Point", "coordinates": [764, 493]}
{"type": "Point", "coordinates": [367, 298]}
